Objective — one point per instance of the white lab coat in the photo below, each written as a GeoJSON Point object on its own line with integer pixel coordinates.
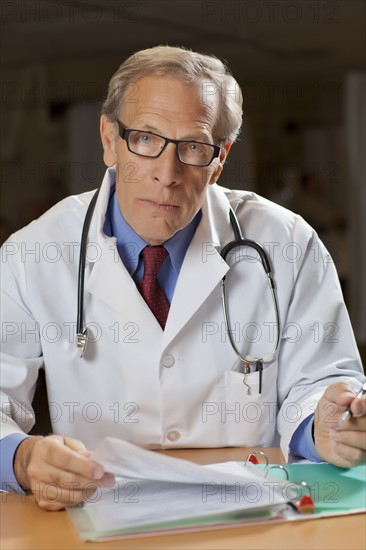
{"type": "Point", "coordinates": [181, 387]}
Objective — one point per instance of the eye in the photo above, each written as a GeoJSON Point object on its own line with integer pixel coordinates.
{"type": "Point", "coordinates": [195, 147]}
{"type": "Point", "coordinates": [144, 138]}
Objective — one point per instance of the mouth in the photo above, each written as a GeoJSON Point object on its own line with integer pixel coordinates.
{"type": "Point", "coordinates": [159, 205]}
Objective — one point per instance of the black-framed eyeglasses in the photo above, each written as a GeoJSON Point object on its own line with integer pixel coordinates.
{"type": "Point", "coordinates": [148, 144]}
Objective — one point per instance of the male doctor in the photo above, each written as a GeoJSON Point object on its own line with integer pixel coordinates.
{"type": "Point", "coordinates": [159, 369]}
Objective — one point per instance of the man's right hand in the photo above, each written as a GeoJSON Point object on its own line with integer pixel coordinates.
{"type": "Point", "coordinates": [58, 470]}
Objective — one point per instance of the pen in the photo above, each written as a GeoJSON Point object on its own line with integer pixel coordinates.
{"type": "Point", "coordinates": [348, 413]}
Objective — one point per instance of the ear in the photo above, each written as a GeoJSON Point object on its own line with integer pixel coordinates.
{"type": "Point", "coordinates": [108, 137]}
{"type": "Point", "coordinates": [220, 162]}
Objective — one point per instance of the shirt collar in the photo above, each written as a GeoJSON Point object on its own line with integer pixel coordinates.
{"type": "Point", "coordinates": [130, 244]}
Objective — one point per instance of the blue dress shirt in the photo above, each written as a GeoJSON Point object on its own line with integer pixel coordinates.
{"type": "Point", "coordinates": [129, 246]}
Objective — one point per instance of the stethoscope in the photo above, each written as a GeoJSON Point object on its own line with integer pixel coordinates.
{"type": "Point", "coordinates": [250, 363]}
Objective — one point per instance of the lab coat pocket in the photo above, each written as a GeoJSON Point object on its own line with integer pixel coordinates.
{"type": "Point", "coordinates": [250, 417]}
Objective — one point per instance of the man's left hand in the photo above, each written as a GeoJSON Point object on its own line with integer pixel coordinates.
{"type": "Point", "coordinates": [340, 443]}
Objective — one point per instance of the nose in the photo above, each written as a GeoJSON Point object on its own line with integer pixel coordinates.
{"type": "Point", "coordinates": [167, 168]}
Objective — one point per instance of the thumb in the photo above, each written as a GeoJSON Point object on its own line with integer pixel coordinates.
{"type": "Point", "coordinates": [339, 393]}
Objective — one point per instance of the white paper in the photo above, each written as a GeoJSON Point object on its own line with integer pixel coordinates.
{"type": "Point", "coordinates": [152, 502]}
{"type": "Point", "coordinates": [155, 489]}
{"type": "Point", "coordinates": [131, 462]}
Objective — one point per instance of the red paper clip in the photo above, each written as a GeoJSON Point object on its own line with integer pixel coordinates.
{"type": "Point", "coordinates": [306, 505]}
{"type": "Point", "coordinates": [252, 457]}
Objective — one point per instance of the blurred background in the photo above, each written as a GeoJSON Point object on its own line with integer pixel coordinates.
{"type": "Point", "coordinates": [301, 65]}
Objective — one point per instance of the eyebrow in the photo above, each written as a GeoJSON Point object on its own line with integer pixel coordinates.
{"type": "Point", "coordinates": [191, 137]}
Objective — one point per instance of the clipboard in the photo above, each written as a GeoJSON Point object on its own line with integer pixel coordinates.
{"type": "Point", "coordinates": [328, 491]}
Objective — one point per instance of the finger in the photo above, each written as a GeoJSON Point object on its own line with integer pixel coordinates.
{"type": "Point", "coordinates": [52, 460]}
{"type": "Point", "coordinates": [347, 456]}
{"type": "Point", "coordinates": [50, 506]}
{"type": "Point", "coordinates": [353, 438]}
{"type": "Point", "coordinates": [57, 500]}
{"type": "Point", "coordinates": [340, 393]}
{"type": "Point", "coordinates": [66, 479]}
{"type": "Point", "coordinates": [86, 453]}
{"type": "Point", "coordinates": [64, 458]}
{"type": "Point", "coordinates": [358, 406]}
{"type": "Point", "coordinates": [353, 424]}
{"type": "Point", "coordinates": [52, 495]}
{"type": "Point", "coordinates": [75, 444]}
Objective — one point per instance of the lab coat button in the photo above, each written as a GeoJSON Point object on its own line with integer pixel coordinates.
{"type": "Point", "coordinates": [173, 435]}
{"type": "Point", "coordinates": [168, 361]}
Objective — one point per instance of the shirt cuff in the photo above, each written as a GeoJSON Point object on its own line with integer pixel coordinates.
{"type": "Point", "coordinates": [302, 442]}
{"type": "Point", "coordinates": [8, 447]}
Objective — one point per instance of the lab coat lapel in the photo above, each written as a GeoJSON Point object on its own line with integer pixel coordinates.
{"type": "Point", "coordinates": [202, 268]}
{"type": "Point", "coordinates": [106, 276]}
{"type": "Point", "coordinates": [110, 282]}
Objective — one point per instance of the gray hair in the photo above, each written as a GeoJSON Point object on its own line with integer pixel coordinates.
{"type": "Point", "coordinates": [191, 67]}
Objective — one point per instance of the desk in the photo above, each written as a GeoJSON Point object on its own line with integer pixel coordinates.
{"type": "Point", "coordinates": [25, 526]}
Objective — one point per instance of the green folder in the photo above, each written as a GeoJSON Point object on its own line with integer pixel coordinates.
{"type": "Point", "coordinates": [335, 491]}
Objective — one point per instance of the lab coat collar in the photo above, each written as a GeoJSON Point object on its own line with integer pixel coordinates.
{"type": "Point", "coordinates": [96, 232]}
{"type": "Point", "coordinates": [109, 279]}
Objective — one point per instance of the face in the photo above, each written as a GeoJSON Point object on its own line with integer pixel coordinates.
{"type": "Point", "coordinates": [160, 196]}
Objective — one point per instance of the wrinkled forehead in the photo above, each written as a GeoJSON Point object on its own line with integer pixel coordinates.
{"type": "Point", "coordinates": [207, 90]}
{"type": "Point", "coordinates": [171, 97]}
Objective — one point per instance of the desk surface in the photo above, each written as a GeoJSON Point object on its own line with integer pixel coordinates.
{"type": "Point", "coordinates": [25, 526]}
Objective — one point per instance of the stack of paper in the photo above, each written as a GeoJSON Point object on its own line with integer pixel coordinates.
{"type": "Point", "coordinates": [156, 492]}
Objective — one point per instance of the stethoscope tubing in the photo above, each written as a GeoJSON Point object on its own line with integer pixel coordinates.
{"type": "Point", "coordinates": [81, 333]}
{"type": "Point", "coordinates": [240, 242]}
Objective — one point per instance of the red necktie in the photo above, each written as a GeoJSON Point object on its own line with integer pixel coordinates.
{"type": "Point", "coordinates": [151, 291]}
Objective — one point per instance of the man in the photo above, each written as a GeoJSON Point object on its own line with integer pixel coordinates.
{"type": "Point", "coordinates": [159, 368]}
